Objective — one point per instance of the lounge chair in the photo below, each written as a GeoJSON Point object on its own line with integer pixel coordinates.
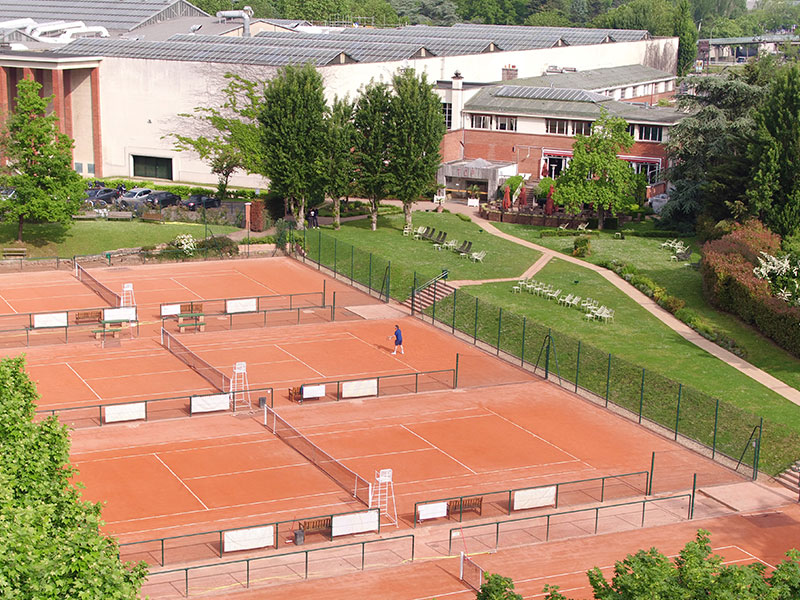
{"type": "Point", "coordinates": [429, 235]}
{"type": "Point", "coordinates": [466, 251]}
{"type": "Point", "coordinates": [563, 226]}
{"type": "Point", "coordinates": [440, 241]}
{"type": "Point", "coordinates": [681, 255]}
{"type": "Point", "coordinates": [460, 249]}
{"type": "Point", "coordinates": [553, 294]}
{"type": "Point", "coordinates": [421, 232]}
{"type": "Point", "coordinates": [478, 256]}
{"type": "Point", "coordinates": [583, 227]}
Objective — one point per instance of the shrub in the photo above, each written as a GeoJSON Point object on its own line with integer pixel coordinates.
{"type": "Point", "coordinates": [464, 217]}
{"type": "Point", "coordinates": [218, 246]}
{"type": "Point", "coordinates": [582, 246]}
{"type": "Point", "coordinates": [671, 303]}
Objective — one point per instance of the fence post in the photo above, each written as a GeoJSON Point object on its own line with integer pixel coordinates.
{"type": "Point", "coordinates": [453, 329]}
{"type": "Point", "coordinates": [757, 453]}
{"type": "Point", "coordinates": [319, 249]}
{"type": "Point", "coordinates": [499, 327]}
{"type": "Point", "coordinates": [369, 281]}
{"type": "Point", "coordinates": [333, 308]}
{"type": "Point", "coordinates": [578, 367]}
{"type": "Point", "coordinates": [652, 468]}
{"type": "Point", "coordinates": [433, 318]}
{"type": "Point", "coordinates": [413, 293]}
{"type": "Point", "coordinates": [641, 397]}
{"type": "Point", "coordinates": [335, 248]}
{"type": "Point", "coordinates": [305, 246]}
{"type": "Point", "coordinates": [352, 261]}
{"type": "Point", "coordinates": [455, 374]}
{"type": "Point", "coordinates": [714, 441]}
{"type": "Point", "coordinates": [691, 502]}
{"type": "Point", "coordinates": [475, 335]}
{"type": "Point", "coordinates": [522, 350]}
{"type": "Point", "coordinates": [608, 378]}
{"type": "Point", "coordinates": [678, 410]}
{"type": "Point", "coordinates": [547, 358]}
{"type": "Point", "coordinates": [389, 282]}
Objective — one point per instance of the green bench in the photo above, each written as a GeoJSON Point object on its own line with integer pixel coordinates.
{"type": "Point", "coordinates": [199, 325]}
{"type": "Point", "coordinates": [100, 333]}
{"type": "Point", "coordinates": [15, 252]}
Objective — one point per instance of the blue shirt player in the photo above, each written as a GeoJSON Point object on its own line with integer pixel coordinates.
{"type": "Point", "coordinates": [398, 339]}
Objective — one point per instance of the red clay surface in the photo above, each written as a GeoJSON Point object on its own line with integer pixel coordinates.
{"type": "Point", "coordinates": [44, 291]}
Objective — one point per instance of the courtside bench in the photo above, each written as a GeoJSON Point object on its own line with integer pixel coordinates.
{"type": "Point", "coordinates": [100, 333]}
{"type": "Point", "coordinates": [322, 525]}
{"type": "Point", "coordinates": [153, 217]}
{"type": "Point", "coordinates": [15, 252]}
{"type": "Point", "coordinates": [119, 215]}
{"type": "Point", "coordinates": [193, 322]}
{"type": "Point", "coordinates": [460, 506]}
{"type": "Point", "coordinates": [88, 317]}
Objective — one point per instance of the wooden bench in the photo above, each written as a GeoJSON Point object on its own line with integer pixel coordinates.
{"type": "Point", "coordinates": [101, 333]}
{"type": "Point", "coordinates": [316, 525]}
{"type": "Point", "coordinates": [296, 395]}
{"type": "Point", "coordinates": [85, 317]}
{"type": "Point", "coordinates": [119, 215]}
{"type": "Point", "coordinates": [474, 504]}
{"type": "Point", "coordinates": [86, 216]}
{"type": "Point", "coordinates": [153, 217]}
{"type": "Point", "coordinates": [199, 325]}
{"type": "Point", "coordinates": [15, 252]}
{"type": "Point", "coordinates": [191, 307]}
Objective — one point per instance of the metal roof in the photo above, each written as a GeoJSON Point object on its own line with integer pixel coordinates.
{"type": "Point", "coordinates": [775, 38]}
{"type": "Point", "coordinates": [112, 14]}
{"type": "Point", "coordinates": [564, 103]}
{"type": "Point", "coordinates": [597, 79]}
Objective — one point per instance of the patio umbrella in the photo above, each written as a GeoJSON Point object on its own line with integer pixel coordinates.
{"type": "Point", "coordinates": [523, 197]}
{"type": "Point", "coordinates": [506, 198]}
{"type": "Point", "coordinates": [548, 208]}
{"type": "Point", "coordinates": [545, 171]}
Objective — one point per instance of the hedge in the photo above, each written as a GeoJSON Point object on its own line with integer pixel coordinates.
{"type": "Point", "coordinates": [729, 283]}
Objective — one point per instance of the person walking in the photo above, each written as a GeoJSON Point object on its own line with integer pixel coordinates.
{"type": "Point", "coordinates": [398, 339]}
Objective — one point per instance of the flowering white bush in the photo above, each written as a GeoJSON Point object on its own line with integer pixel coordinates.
{"type": "Point", "coordinates": [782, 274]}
{"type": "Point", "coordinates": [186, 243]}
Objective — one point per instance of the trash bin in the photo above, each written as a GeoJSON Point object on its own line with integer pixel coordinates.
{"type": "Point", "coordinates": [299, 537]}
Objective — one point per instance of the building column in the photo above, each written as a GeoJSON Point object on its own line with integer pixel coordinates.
{"type": "Point", "coordinates": [58, 98]}
{"type": "Point", "coordinates": [97, 138]}
{"type": "Point", "coordinates": [27, 73]}
{"type": "Point", "coordinates": [3, 93]}
{"type": "Point", "coordinates": [68, 102]}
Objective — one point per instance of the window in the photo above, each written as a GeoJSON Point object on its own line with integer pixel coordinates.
{"type": "Point", "coordinates": [556, 126]}
{"type": "Point", "coordinates": [506, 123]}
{"type": "Point", "coordinates": [78, 167]}
{"type": "Point", "coordinates": [651, 170]}
{"type": "Point", "coordinates": [632, 130]}
{"type": "Point", "coordinates": [481, 121]}
{"type": "Point", "coordinates": [650, 133]}
{"type": "Point", "coordinates": [152, 166]}
{"type": "Point", "coordinates": [90, 168]}
{"type": "Point", "coordinates": [447, 110]}
{"type": "Point", "coordinates": [582, 127]}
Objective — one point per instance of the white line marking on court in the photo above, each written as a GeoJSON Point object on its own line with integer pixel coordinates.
{"type": "Point", "coordinates": [538, 437]}
{"type": "Point", "coordinates": [83, 380]}
{"type": "Point", "coordinates": [266, 287]}
{"type": "Point", "coordinates": [7, 302]}
{"type": "Point", "coordinates": [158, 458]}
{"type": "Point", "coordinates": [432, 445]}
{"type": "Point", "coordinates": [302, 362]}
{"type": "Point", "coordinates": [186, 288]}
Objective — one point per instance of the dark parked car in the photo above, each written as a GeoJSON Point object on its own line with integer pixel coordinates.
{"type": "Point", "coordinates": [162, 199]}
{"type": "Point", "coordinates": [100, 197]}
{"type": "Point", "coordinates": [196, 201]}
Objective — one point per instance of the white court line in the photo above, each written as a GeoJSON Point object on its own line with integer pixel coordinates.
{"type": "Point", "coordinates": [9, 303]}
{"type": "Point", "coordinates": [549, 443]}
{"type": "Point", "coordinates": [275, 468]}
{"type": "Point", "coordinates": [454, 459]}
{"type": "Point", "coordinates": [149, 444]}
{"type": "Point", "coordinates": [298, 360]}
{"type": "Point", "coordinates": [188, 289]}
{"type": "Point", "coordinates": [274, 292]}
{"type": "Point", "coordinates": [69, 366]}
{"type": "Point", "coordinates": [158, 458]}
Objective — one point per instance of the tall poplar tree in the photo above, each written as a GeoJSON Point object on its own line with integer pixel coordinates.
{"type": "Point", "coordinates": [340, 157]}
{"type": "Point", "coordinates": [687, 37]}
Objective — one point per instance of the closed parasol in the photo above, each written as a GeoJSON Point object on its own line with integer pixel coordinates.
{"type": "Point", "coordinates": [506, 198]}
{"type": "Point", "coordinates": [549, 208]}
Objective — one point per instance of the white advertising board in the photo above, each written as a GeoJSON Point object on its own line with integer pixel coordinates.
{"type": "Point", "coordinates": [313, 391]}
{"type": "Point", "coordinates": [359, 389]}
{"type": "Point", "coordinates": [124, 313]}
{"type": "Point", "coordinates": [434, 510]}
{"type": "Point", "coordinates": [473, 202]}
{"type": "Point", "coordinates": [534, 498]}
{"type": "Point", "coordinates": [210, 403]}
{"type": "Point", "coordinates": [241, 305]}
{"type": "Point", "coordinates": [125, 412]}
{"type": "Point", "coordinates": [247, 539]}
{"type": "Point", "coordinates": [50, 320]}
{"type": "Point", "coordinates": [359, 522]}
{"type": "Point", "coordinates": [170, 310]}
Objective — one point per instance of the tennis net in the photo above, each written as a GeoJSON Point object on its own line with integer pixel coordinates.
{"type": "Point", "coordinates": [354, 484]}
{"type": "Point", "coordinates": [97, 287]}
{"type": "Point", "coordinates": [471, 573]}
{"type": "Point", "coordinates": [213, 375]}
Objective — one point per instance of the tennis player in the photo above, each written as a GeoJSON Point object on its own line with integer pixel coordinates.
{"type": "Point", "coordinates": [398, 339]}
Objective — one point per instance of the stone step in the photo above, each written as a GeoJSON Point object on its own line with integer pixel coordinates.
{"type": "Point", "coordinates": [425, 298]}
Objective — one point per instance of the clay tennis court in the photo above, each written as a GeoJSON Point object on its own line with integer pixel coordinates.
{"type": "Point", "coordinates": [175, 475]}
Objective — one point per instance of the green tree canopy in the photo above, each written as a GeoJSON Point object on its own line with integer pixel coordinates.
{"type": "Point", "coordinates": [418, 128]}
{"type": "Point", "coordinates": [497, 587]}
{"type": "Point", "coordinates": [294, 135]}
{"type": "Point", "coordinates": [595, 175]}
{"type": "Point", "coordinates": [686, 31]}
{"type": "Point", "coordinates": [340, 171]}
{"type": "Point", "coordinates": [51, 547]}
{"type": "Point", "coordinates": [696, 573]}
{"type": "Point", "coordinates": [38, 164]}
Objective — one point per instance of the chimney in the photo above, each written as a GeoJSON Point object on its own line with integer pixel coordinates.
{"type": "Point", "coordinates": [509, 72]}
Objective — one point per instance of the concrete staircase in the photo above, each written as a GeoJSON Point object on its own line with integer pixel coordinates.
{"type": "Point", "coordinates": [424, 298]}
{"type": "Point", "coordinates": [790, 478]}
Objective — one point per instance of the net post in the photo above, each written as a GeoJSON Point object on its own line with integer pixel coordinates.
{"type": "Point", "coordinates": [641, 397]}
{"type": "Point", "coordinates": [678, 410]}
{"type": "Point", "coordinates": [461, 570]}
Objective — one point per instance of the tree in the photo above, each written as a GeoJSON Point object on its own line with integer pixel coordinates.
{"type": "Point", "coordinates": [50, 539]}
{"type": "Point", "coordinates": [373, 122]}
{"type": "Point", "coordinates": [654, 15]}
{"type": "Point", "coordinates": [418, 128]}
{"type": "Point", "coordinates": [696, 573]}
{"type": "Point", "coordinates": [294, 135]}
{"type": "Point", "coordinates": [340, 157]}
{"type": "Point", "coordinates": [227, 138]}
{"type": "Point", "coordinates": [38, 164]}
{"type": "Point", "coordinates": [497, 587]}
{"type": "Point", "coordinates": [595, 175]}
{"type": "Point", "coordinates": [775, 188]}
{"type": "Point", "coordinates": [687, 37]}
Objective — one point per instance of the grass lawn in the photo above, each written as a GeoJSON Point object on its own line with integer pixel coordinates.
{"type": "Point", "coordinates": [503, 258]}
{"type": "Point", "coordinates": [685, 283]}
{"type": "Point", "coordinates": [95, 237]}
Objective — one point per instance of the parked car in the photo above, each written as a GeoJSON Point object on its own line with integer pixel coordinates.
{"type": "Point", "coordinates": [100, 197]}
{"type": "Point", "coordinates": [134, 198]}
{"type": "Point", "coordinates": [161, 199]}
{"type": "Point", "coordinates": [196, 201]}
